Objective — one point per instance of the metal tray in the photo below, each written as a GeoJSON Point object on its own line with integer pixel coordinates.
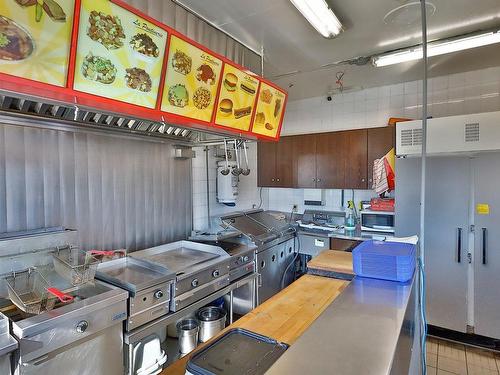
{"type": "Point", "coordinates": [133, 274]}
{"type": "Point", "coordinates": [182, 256]}
{"type": "Point", "coordinates": [238, 351]}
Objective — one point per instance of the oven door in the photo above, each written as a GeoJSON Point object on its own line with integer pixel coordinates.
{"type": "Point", "coordinates": [377, 221]}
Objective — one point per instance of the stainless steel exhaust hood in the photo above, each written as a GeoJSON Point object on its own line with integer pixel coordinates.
{"type": "Point", "coordinates": [36, 112]}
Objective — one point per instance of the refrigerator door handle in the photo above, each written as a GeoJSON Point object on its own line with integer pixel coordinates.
{"type": "Point", "coordinates": [485, 231]}
{"type": "Point", "coordinates": [459, 245]}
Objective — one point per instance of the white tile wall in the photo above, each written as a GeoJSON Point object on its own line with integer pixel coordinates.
{"type": "Point", "coordinates": [248, 192]}
{"type": "Point", "coordinates": [455, 94]}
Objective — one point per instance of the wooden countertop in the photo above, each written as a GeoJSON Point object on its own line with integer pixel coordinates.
{"type": "Point", "coordinates": [285, 316]}
{"type": "Point", "coordinates": [332, 261]}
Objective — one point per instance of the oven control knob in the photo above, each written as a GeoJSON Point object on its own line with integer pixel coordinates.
{"type": "Point", "coordinates": [194, 283]}
{"type": "Point", "coordinates": [245, 258]}
{"type": "Point", "coordinates": [216, 273]}
{"type": "Point", "coordinates": [82, 326]}
{"type": "Point", "coordinates": [240, 260]}
{"type": "Point", "coordinates": [158, 294]}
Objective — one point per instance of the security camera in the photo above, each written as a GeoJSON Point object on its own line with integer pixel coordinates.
{"type": "Point", "coordinates": [329, 98]}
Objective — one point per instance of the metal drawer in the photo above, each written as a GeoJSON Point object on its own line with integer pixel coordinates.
{"type": "Point", "coordinates": [311, 244]}
{"type": "Point", "coordinates": [148, 298]}
{"type": "Point", "coordinates": [197, 280]}
{"type": "Point", "coordinates": [183, 300]}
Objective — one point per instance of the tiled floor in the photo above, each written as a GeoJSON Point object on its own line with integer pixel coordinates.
{"type": "Point", "coordinates": [445, 358]}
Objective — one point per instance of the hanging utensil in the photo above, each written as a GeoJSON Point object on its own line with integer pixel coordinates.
{"type": "Point", "coordinates": [237, 170]}
{"type": "Point", "coordinates": [246, 171]}
{"type": "Point", "coordinates": [225, 171]}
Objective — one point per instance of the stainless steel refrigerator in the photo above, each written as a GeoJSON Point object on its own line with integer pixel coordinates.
{"type": "Point", "coordinates": [462, 237]}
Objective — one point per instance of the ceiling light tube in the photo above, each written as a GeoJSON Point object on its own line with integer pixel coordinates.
{"type": "Point", "coordinates": [320, 16]}
{"type": "Point", "coordinates": [437, 48]}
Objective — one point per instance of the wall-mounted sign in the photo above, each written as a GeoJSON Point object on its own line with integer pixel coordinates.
{"type": "Point", "coordinates": [191, 81]}
{"type": "Point", "coordinates": [236, 99]}
{"type": "Point", "coordinates": [120, 55]}
{"type": "Point", "coordinates": [268, 115]}
{"type": "Point", "coordinates": [35, 39]}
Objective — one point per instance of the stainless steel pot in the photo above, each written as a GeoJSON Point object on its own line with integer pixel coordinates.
{"type": "Point", "coordinates": [212, 320]}
{"type": "Point", "coordinates": [188, 331]}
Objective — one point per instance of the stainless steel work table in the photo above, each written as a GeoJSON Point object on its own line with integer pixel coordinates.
{"type": "Point", "coordinates": [361, 332]}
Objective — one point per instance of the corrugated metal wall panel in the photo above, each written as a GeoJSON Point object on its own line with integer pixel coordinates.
{"type": "Point", "coordinates": [116, 192]}
{"type": "Point", "coordinates": [178, 18]}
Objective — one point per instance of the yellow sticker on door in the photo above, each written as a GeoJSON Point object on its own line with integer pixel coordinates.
{"type": "Point", "coordinates": [483, 209]}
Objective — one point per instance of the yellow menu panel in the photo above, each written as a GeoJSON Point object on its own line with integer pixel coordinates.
{"type": "Point", "coordinates": [119, 55]}
{"type": "Point", "coordinates": [35, 39]}
{"type": "Point", "coordinates": [269, 109]}
{"type": "Point", "coordinates": [191, 82]}
{"type": "Point", "coordinates": [237, 99]}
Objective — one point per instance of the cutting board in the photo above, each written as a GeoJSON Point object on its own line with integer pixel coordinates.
{"type": "Point", "coordinates": [332, 261]}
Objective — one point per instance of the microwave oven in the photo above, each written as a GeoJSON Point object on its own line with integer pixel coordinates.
{"type": "Point", "coordinates": [377, 221]}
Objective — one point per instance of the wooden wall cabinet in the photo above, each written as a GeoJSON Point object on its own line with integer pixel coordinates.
{"type": "Point", "coordinates": [275, 163]}
{"type": "Point", "coordinates": [336, 160]}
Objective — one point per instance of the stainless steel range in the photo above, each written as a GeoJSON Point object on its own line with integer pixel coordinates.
{"type": "Point", "coordinates": [275, 248]}
{"type": "Point", "coordinates": [199, 269]}
{"type": "Point", "coordinates": [149, 286]}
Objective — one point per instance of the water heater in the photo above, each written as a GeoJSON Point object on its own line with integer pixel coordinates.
{"type": "Point", "coordinates": [227, 185]}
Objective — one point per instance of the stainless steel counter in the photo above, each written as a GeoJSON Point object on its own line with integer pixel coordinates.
{"type": "Point", "coordinates": [359, 235]}
{"type": "Point", "coordinates": [368, 329]}
{"type": "Point", "coordinates": [7, 343]}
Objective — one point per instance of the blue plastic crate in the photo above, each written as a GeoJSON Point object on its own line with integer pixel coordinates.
{"type": "Point", "coordinates": [384, 260]}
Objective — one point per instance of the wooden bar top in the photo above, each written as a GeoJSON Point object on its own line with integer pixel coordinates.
{"type": "Point", "coordinates": [285, 316]}
{"type": "Point", "coordinates": [332, 261]}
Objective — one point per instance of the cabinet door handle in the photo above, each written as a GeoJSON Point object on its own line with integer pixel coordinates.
{"type": "Point", "coordinates": [362, 180]}
{"type": "Point", "coordinates": [272, 179]}
{"type": "Point", "coordinates": [277, 180]}
{"type": "Point", "coordinates": [314, 180]}
{"type": "Point", "coordinates": [485, 232]}
{"type": "Point", "coordinates": [318, 180]}
{"type": "Point", "coordinates": [459, 245]}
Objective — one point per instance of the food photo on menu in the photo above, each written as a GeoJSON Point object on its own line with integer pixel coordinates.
{"type": "Point", "coordinates": [35, 38]}
{"type": "Point", "coordinates": [120, 55]}
{"type": "Point", "coordinates": [237, 98]}
{"type": "Point", "coordinates": [191, 81]}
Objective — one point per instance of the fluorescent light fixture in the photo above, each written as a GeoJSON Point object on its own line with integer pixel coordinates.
{"type": "Point", "coordinates": [437, 48]}
{"type": "Point", "coordinates": [320, 16]}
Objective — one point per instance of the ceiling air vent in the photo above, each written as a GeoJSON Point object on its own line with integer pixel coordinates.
{"type": "Point", "coordinates": [411, 137]}
{"type": "Point", "coordinates": [472, 132]}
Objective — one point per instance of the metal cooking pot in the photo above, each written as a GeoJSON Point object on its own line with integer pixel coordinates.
{"type": "Point", "coordinates": [188, 330]}
{"type": "Point", "coordinates": [212, 320]}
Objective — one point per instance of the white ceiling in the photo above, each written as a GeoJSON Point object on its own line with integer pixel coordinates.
{"type": "Point", "coordinates": [291, 44]}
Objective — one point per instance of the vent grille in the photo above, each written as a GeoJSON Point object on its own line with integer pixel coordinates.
{"type": "Point", "coordinates": [13, 105]}
{"type": "Point", "coordinates": [411, 137]}
{"type": "Point", "coordinates": [472, 132]}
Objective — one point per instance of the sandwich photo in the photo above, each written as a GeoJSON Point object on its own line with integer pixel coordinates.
{"type": "Point", "coordinates": [230, 82]}
{"type": "Point", "coordinates": [226, 107]}
{"type": "Point", "coordinates": [242, 112]}
{"type": "Point", "coordinates": [247, 88]}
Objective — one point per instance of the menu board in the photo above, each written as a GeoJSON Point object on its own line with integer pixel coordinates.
{"type": "Point", "coordinates": [236, 98]}
{"type": "Point", "coordinates": [119, 55]}
{"type": "Point", "coordinates": [269, 110]}
{"type": "Point", "coordinates": [191, 82]}
{"type": "Point", "coordinates": [35, 39]}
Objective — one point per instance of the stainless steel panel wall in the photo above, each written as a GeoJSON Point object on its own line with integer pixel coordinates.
{"type": "Point", "coordinates": [195, 28]}
{"type": "Point", "coordinates": [118, 192]}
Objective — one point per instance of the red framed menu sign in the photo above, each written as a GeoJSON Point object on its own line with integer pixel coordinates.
{"type": "Point", "coordinates": [269, 112]}
{"type": "Point", "coordinates": [35, 39]}
{"type": "Point", "coordinates": [236, 99]}
{"type": "Point", "coordinates": [106, 55]}
{"type": "Point", "coordinates": [191, 81]}
{"type": "Point", "coordinates": [120, 54]}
